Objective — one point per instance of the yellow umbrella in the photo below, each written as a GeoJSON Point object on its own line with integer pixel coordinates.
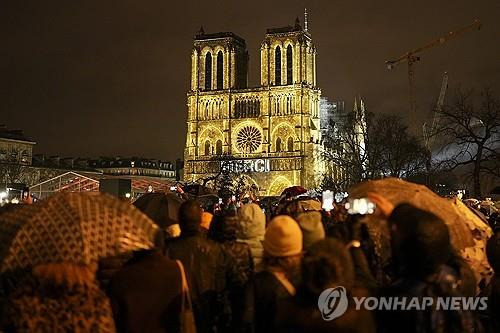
{"type": "Point", "coordinates": [468, 232]}
{"type": "Point", "coordinates": [475, 255]}
{"type": "Point", "coordinates": [398, 191]}
{"type": "Point", "coordinates": [72, 227]}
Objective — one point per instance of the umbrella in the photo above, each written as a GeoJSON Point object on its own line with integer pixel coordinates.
{"type": "Point", "coordinates": [72, 227]}
{"type": "Point", "coordinates": [468, 232]}
{"type": "Point", "coordinates": [207, 200]}
{"type": "Point", "coordinates": [197, 190]}
{"type": "Point", "coordinates": [488, 206]}
{"type": "Point", "coordinates": [293, 191]}
{"type": "Point", "coordinates": [162, 208]}
{"type": "Point", "coordinates": [399, 191]}
{"type": "Point", "coordinates": [472, 202]}
{"type": "Point", "coordinates": [298, 206]}
{"type": "Point", "coordinates": [475, 255]}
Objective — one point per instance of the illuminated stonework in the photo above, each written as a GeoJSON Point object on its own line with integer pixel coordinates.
{"type": "Point", "coordinates": [275, 126]}
{"type": "Point", "coordinates": [248, 139]}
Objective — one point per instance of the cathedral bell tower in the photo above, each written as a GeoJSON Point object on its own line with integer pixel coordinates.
{"type": "Point", "coordinates": [218, 61]}
{"type": "Point", "coordinates": [288, 57]}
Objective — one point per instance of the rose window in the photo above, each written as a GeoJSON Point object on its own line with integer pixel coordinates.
{"type": "Point", "coordinates": [248, 139]}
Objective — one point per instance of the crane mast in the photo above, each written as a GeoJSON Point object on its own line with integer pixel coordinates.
{"type": "Point", "coordinates": [429, 132]}
{"type": "Point", "coordinates": [411, 58]}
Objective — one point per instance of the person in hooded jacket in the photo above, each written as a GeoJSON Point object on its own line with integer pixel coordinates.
{"type": "Point", "coordinates": [204, 264]}
{"type": "Point", "coordinates": [239, 264]}
{"type": "Point", "coordinates": [278, 280]}
{"type": "Point", "coordinates": [252, 227]}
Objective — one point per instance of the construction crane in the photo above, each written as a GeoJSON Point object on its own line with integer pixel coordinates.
{"type": "Point", "coordinates": [411, 57]}
{"type": "Point", "coordinates": [428, 132]}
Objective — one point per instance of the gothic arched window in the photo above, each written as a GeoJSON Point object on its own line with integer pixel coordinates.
{"type": "Point", "coordinates": [208, 71]}
{"type": "Point", "coordinates": [277, 66]}
{"type": "Point", "coordinates": [237, 109]}
{"type": "Point", "coordinates": [218, 147]}
{"type": "Point", "coordinates": [278, 144]}
{"type": "Point", "coordinates": [289, 65]}
{"type": "Point", "coordinates": [220, 70]}
{"type": "Point", "coordinates": [207, 147]}
{"type": "Point", "coordinates": [290, 144]}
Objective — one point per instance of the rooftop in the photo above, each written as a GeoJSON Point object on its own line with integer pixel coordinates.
{"type": "Point", "coordinates": [11, 134]}
{"type": "Point", "coordinates": [201, 35]}
{"type": "Point", "coordinates": [295, 28]}
{"type": "Point", "coordinates": [91, 164]}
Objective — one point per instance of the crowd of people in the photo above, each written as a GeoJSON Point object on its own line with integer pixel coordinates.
{"type": "Point", "coordinates": [487, 208]}
{"type": "Point", "coordinates": [240, 268]}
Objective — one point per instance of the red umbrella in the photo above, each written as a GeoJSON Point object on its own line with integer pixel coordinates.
{"type": "Point", "coordinates": [293, 191]}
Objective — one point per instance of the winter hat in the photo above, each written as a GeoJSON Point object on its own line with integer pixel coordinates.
{"type": "Point", "coordinates": [206, 219]}
{"type": "Point", "coordinates": [283, 237]}
{"type": "Point", "coordinates": [312, 228]}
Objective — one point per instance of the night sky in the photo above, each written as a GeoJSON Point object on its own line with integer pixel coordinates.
{"type": "Point", "coordinates": [106, 78]}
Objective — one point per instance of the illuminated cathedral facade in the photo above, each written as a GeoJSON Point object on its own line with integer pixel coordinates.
{"type": "Point", "coordinates": [273, 130]}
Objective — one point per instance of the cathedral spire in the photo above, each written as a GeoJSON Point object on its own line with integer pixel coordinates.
{"type": "Point", "coordinates": [297, 23]}
{"type": "Point", "coordinates": [305, 19]}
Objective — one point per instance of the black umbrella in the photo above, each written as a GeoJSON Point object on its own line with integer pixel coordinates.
{"type": "Point", "coordinates": [162, 208]}
{"type": "Point", "coordinates": [197, 190]}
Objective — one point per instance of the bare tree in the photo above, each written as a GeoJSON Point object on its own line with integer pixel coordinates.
{"type": "Point", "coordinates": [11, 168]}
{"type": "Point", "coordinates": [401, 154]}
{"type": "Point", "coordinates": [344, 146]}
{"type": "Point", "coordinates": [374, 147]}
{"type": "Point", "coordinates": [470, 134]}
{"type": "Point", "coordinates": [227, 178]}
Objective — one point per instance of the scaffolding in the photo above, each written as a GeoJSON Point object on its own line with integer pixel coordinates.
{"type": "Point", "coordinates": [66, 182]}
{"type": "Point", "coordinates": [77, 182]}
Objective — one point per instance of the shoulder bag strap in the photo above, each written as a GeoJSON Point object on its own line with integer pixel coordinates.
{"type": "Point", "coordinates": [185, 287]}
{"type": "Point", "coordinates": [285, 282]}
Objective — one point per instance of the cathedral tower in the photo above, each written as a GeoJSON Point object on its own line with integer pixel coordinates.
{"type": "Point", "coordinates": [272, 130]}
{"type": "Point", "coordinates": [287, 57]}
{"type": "Point", "coordinates": [218, 61]}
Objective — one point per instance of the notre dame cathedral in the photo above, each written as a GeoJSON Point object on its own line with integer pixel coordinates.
{"type": "Point", "coordinates": [272, 130]}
